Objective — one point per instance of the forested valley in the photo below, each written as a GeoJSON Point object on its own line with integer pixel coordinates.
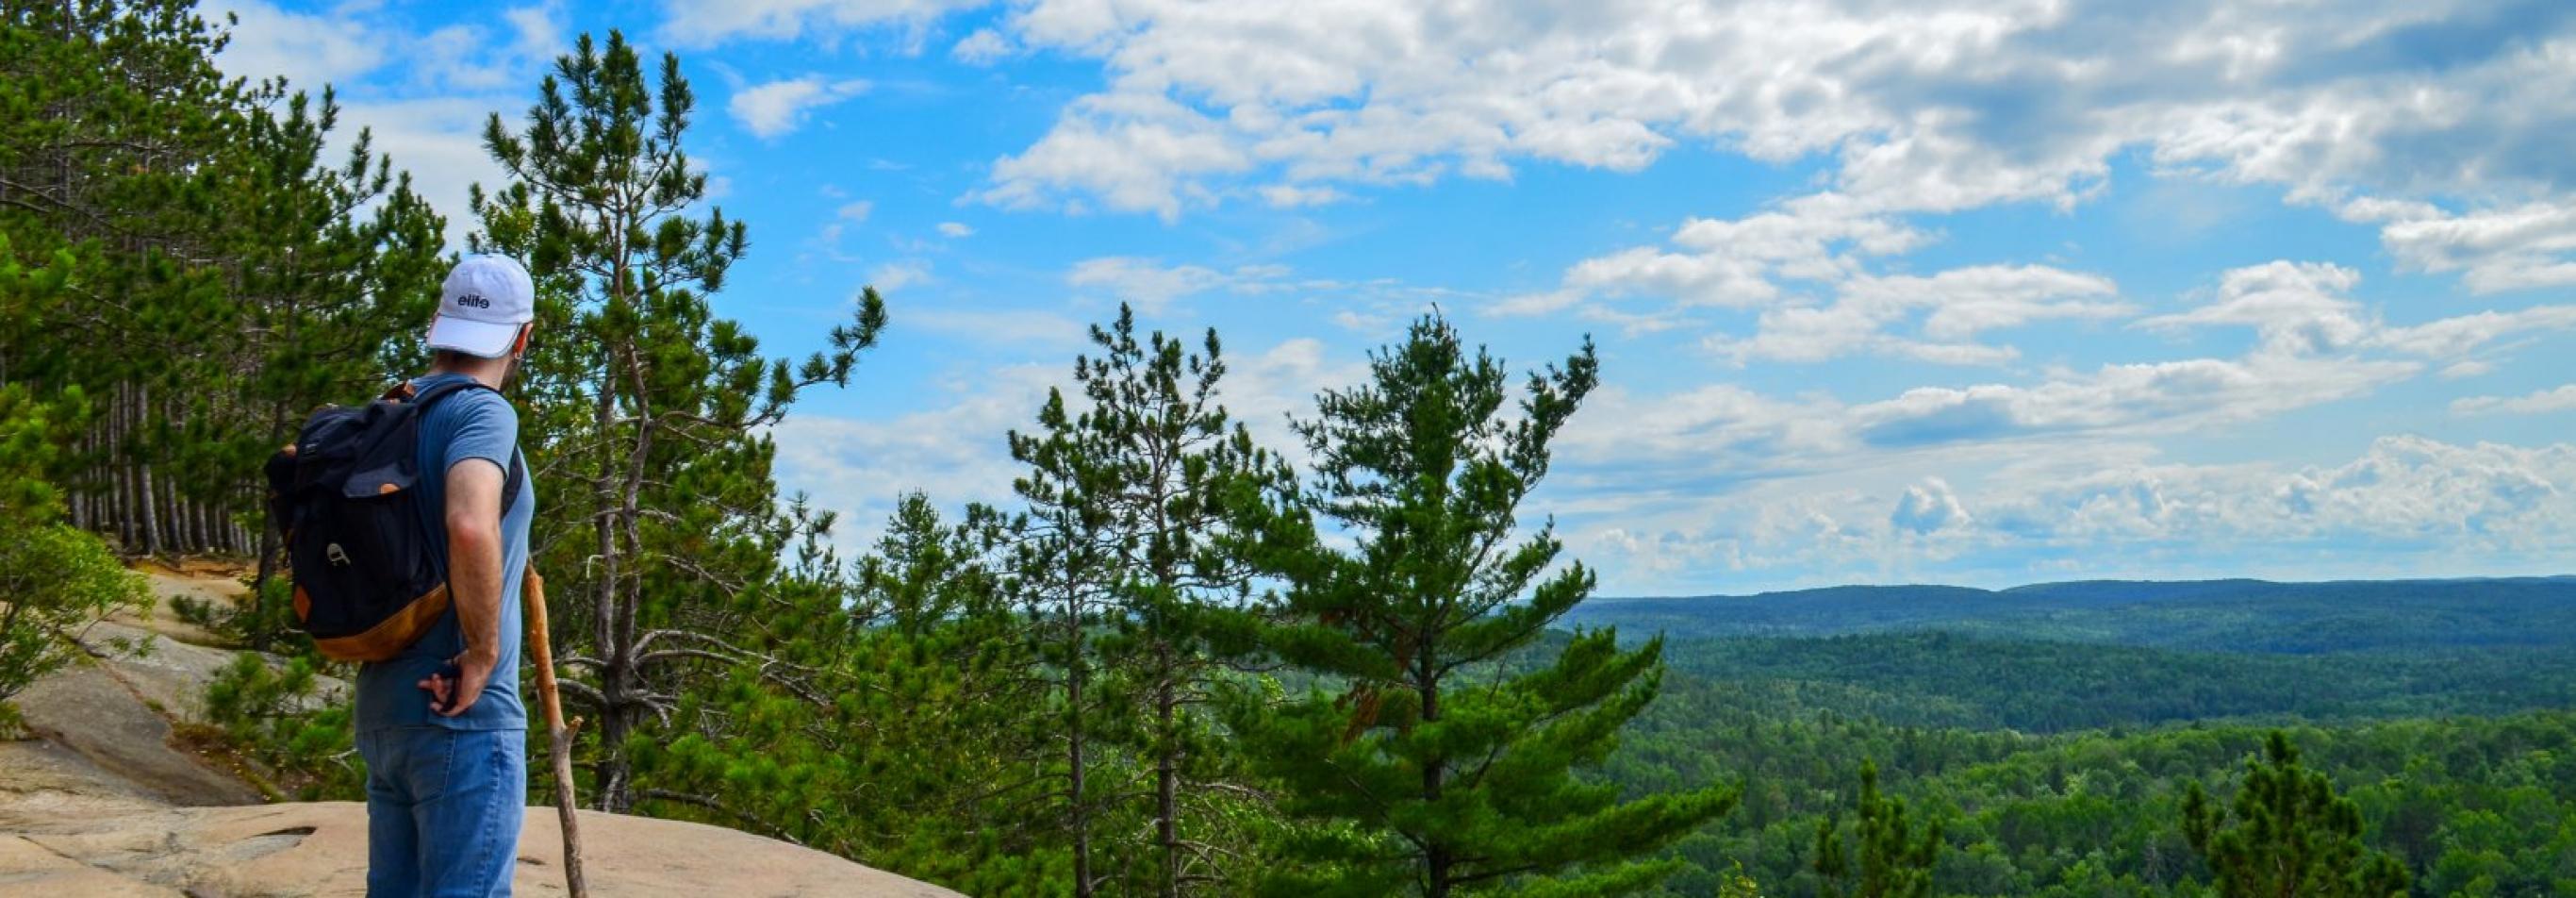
{"type": "Point", "coordinates": [1177, 660]}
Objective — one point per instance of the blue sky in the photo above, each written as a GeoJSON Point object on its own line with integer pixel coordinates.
{"type": "Point", "coordinates": [1983, 293]}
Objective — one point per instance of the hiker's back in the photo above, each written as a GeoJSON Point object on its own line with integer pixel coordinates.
{"type": "Point", "coordinates": [471, 424]}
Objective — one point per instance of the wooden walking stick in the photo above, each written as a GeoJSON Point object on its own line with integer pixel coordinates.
{"type": "Point", "coordinates": [534, 592]}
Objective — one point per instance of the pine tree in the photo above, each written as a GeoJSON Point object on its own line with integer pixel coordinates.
{"type": "Point", "coordinates": [1061, 554]}
{"type": "Point", "coordinates": [54, 580]}
{"type": "Point", "coordinates": [330, 303]}
{"type": "Point", "coordinates": [647, 413]}
{"type": "Point", "coordinates": [1891, 863]}
{"type": "Point", "coordinates": [118, 135]}
{"type": "Point", "coordinates": [230, 279]}
{"type": "Point", "coordinates": [1160, 456]}
{"type": "Point", "coordinates": [932, 714]}
{"type": "Point", "coordinates": [2287, 833]}
{"type": "Point", "coordinates": [1447, 760]}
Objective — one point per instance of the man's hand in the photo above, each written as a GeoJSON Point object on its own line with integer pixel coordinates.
{"type": "Point", "coordinates": [451, 696]}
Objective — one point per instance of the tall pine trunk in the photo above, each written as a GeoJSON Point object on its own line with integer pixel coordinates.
{"type": "Point", "coordinates": [1074, 675]}
{"type": "Point", "coordinates": [614, 725]}
{"type": "Point", "coordinates": [629, 511]}
{"type": "Point", "coordinates": [150, 522]}
{"type": "Point", "coordinates": [1436, 860]}
{"type": "Point", "coordinates": [1166, 772]}
{"type": "Point", "coordinates": [269, 539]}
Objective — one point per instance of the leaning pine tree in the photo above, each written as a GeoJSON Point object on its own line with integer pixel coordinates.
{"type": "Point", "coordinates": [1444, 758]}
{"type": "Point", "coordinates": [645, 417]}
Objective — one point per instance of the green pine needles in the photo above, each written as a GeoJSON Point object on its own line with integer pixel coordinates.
{"type": "Point", "coordinates": [1884, 857]}
{"type": "Point", "coordinates": [1436, 754]}
{"type": "Point", "coordinates": [662, 524]}
{"type": "Point", "coordinates": [1125, 557]}
{"type": "Point", "coordinates": [2287, 833]}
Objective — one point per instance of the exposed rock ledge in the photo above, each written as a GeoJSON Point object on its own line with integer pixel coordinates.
{"type": "Point", "coordinates": [321, 849]}
{"type": "Point", "coordinates": [104, 803]}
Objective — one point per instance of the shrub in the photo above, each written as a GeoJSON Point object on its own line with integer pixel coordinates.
{"type": "Point", "coordinates": [55, 581]}
{"type": "Point", "coordinates": [279, 718]}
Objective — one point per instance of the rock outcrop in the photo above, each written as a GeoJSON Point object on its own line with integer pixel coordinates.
{"type": "Point", "coordinates": [104, 802]}
{"type": "Point", "coordinates": [321, 849]}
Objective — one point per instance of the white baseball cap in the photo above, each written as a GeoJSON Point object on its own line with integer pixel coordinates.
{"type": "Point", "coordinates": [485, 302]}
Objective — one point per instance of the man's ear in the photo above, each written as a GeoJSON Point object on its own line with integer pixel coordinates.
{"type": "Point", "coordinates": [520, 346]}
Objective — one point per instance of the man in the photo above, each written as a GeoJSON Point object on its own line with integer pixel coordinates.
{"type": "Point", "coordinates": [441, 726]}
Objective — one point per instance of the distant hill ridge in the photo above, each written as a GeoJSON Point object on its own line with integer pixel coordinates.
{"type": "Point", "coordinates": [2244, 615]}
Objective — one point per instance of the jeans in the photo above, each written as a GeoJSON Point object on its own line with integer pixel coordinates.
{"type": "Point", "coordinates": [443, 810]}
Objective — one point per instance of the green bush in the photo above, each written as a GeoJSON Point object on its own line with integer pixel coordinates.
{"type": "Point", "coordinates": [280, 719]}
{"type": "Point", "coordinates": [266, 623]}
{"type": "Point", "coordinates": [55, 581]}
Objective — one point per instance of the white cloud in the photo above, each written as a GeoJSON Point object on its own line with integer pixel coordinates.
{"type": "Point", "coordinates": [955, 229]}
{"type": "Point", "coordinates": [1714, 429]}
{"type": "Point", "coordinates": [2540, 402]}
{"type": "Point", "coordinates": [467, 56]}
{"type": "Point", "coordinates": [983, 47]}
{"type": "Point", "coordinates": [1964, 302]}
{"type": "Point", "coordinates": [1810, 266]}
{"type": "Point", "coordinates": [1954, 306]}
{"type": "Point", "coordinates": [1152, 286]}
{"type": "Point", "coordinates": [1146, 158]}
{"type": "Point", "coordinates": [2439, 124]}
{"type": "Point", "coordinates": [1937, 106]}
{"type": "Point", "coordinates": [1929, 506]}
{"type": "Point", "coordinates": [1737, 263]}
{"type": "Point", "coordinates": [827, 244]}
{"type": "Point", "coordinates": [777, 108]}
{"type": "Point", "coordinates": [439, 140]}
{"type": "Point", "coordinates": [1142, 281]}
{"type": "Point", "coordinates": [699, 23]}
{"type": "Point", "coordinates": [310, 50]}
{"type": "Point", "coordinates": [955, 450]}
{"type": "Point", "coordinates": [430, 118]}
{"type": "Point", "coordinates": [2417, 492]}
{"type": "Point", "coordinates": [1629, 448]}
{"type": "Point", "coordinates": [2156, 396]}
{"type": "Point", "coordinates": [2295, 307]}
{"type": "Point", "coordinates": [2458, 335]}
{"type": "Point", "coordinates": [1290, 196]}
{"type": "Point", "coordinates": [854, 211]}
{"type": "Point", "coordinates": [1823, 473]}
{"type": "Point", "coordinates": [893, 276]}
{"type": "Point", "coordinates": [2405, 506]}
{"type": "Point", "coordinates": [2526, 246]}
{"type": "Point", "coordinates": [351, 44]}
{"type": "Point", "coordinates": [2300, 308]}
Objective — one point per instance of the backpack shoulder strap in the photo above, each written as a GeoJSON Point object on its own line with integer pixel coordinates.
{"type": "Point", "coordinates": [518, 474]}
{"type": "Point", "coordinates": [518, 478]}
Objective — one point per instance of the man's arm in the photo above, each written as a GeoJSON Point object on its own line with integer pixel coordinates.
{"type": "Point", "coordinates": [474, 575]}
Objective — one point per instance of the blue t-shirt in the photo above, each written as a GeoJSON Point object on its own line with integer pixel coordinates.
{"type": "Point", "coordinates": [466, 425]}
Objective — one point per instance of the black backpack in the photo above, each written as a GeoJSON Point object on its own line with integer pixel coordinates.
{"type": "Point", "coordinates": [367, 584]}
